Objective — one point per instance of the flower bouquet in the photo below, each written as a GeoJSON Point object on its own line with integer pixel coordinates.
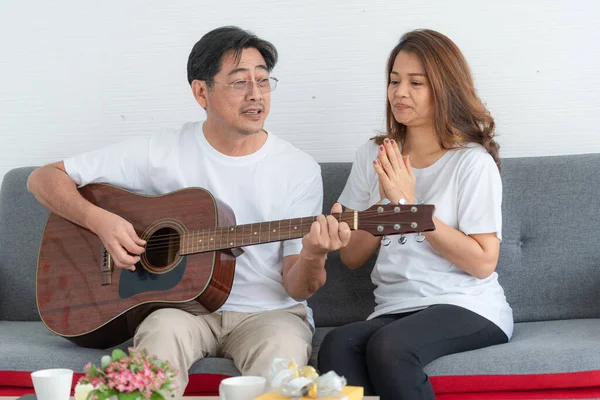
{"type": "Point", "coordinates": [127, 377]}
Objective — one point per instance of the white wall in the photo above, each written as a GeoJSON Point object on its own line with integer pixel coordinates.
{"type": "Point", "coordinates": [75, 75]}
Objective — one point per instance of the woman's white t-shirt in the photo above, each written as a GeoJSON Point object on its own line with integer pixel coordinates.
{"type": "Point", "coordinates": [466, 189]}
{"type": "Point", "coordinates": [276, 182]}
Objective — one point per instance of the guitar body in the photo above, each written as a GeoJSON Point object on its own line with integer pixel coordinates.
{"type": "Point", "coordinates": [84, 298]}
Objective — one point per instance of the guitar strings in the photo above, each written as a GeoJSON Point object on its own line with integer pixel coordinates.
{"type": "Point", "coordinates": [177, 241]}
{"type": "Point", "coordinates": [226, 229]}
{"type": "Point", "coordinates": [198, 249]}
{"type": "Point", "coordinates": [172, 241]}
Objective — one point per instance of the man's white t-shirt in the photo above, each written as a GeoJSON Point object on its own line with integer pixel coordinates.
{"type": "Point", "coordinates": [276, 182]}
{"type": "Point", "coordinates": [466, 189]}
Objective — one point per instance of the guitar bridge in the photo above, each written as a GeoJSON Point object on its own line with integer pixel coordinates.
{"type": "Point", "coordinates": [106, 268]}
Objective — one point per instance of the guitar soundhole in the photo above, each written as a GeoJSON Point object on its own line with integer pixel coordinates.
{"type": "Point", "coordinates": [162, 249]}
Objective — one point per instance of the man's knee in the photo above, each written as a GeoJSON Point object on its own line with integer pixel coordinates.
{"type": "Point", "coordinates": [293, 348]}
{"type": "Point", "coordinates": [259, 360]}
{"type": "Point", "coordinates": [162, 325]}
{"type": "Point", "coordinates": [297, 349]}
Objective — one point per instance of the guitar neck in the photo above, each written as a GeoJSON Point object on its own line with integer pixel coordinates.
{"type": "Point", "coordinates": [228, 237]}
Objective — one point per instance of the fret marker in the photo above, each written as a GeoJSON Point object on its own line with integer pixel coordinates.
{"type": "Point", "coordinates": [211, 239]}
{"type": "Point", "coordinates": [295, 227]}
{"type": "Point", "coordinates": [255, 233]}
{"type": "Point", "coordinates": [231, 228]}
{"type": "Point", "coordinates": [231, 244]}
{"type": "Point", "coordinates": [274, 230]}
{"type": "Point", "coordinates": [200, 241]}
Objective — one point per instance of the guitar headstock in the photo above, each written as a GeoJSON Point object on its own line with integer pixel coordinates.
{"type": "Point", "coordinates": [393, 219]}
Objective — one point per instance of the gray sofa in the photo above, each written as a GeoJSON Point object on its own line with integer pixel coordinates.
{"type": "Point", "coordinates": [549, 267]}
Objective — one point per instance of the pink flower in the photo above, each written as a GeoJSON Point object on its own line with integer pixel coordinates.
{"type": "Point", "coordinates": [136, 372]}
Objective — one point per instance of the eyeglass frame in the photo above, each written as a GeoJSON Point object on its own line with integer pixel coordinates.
{"type": "Point", "coordinates": [248, 88]}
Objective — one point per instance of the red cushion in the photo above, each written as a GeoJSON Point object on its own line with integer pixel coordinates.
{"type": "Point", "coordinates": [485, 383]}
{"type": "Point", "coordinates": [17, 383]}
{"type": "Point", "coordinates": [564, 385]}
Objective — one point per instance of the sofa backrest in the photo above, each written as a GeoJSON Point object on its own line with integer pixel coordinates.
{"type": "Point", "coordinates": [549, 259]}
{"type": "Point", "coordinates": [22, 221]}
{"type": "Point", "coordinates": [550, 256]}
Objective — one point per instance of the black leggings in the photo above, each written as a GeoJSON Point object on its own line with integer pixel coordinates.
{"type": "Point", "coordinates": [386, 355]}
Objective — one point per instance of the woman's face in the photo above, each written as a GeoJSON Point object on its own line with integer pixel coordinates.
{"type": "Point", "coordinates": [409, 91]}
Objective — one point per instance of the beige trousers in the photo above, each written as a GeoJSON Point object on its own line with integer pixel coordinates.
{"type": "Point", "coordinates": [188, 333]}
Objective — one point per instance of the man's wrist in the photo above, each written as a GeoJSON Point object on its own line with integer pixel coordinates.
{"type": "Point", "coordinates": [90, 216]}
{"type": "Point", "coordinates": [310, 257]}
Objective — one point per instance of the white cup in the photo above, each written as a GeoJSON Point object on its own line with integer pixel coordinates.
{"type": "Point", "coordinates": [52, 384]}
{"type": "Point", "coordinates": [242, 387]}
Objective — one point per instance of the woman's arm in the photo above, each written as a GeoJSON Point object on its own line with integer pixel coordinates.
{"type": "Point", "coordinates": [475, 254]}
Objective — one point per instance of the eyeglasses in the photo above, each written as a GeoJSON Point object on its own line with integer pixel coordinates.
{"type": "Point", "coordinates": [265, 85]}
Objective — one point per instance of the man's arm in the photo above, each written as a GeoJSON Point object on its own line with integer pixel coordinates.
{"type": "Point", "coordinates": [55, 190]}
{"type": "Point", "coordinates": [302, 277]}
{"type": "Point", "coordinates": [305, 273]}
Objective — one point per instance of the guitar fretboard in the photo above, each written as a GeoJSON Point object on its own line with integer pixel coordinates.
{"type": "Point", "coordinates": [227, 237]}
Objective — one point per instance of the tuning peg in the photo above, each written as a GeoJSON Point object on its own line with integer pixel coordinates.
{"type": "Point", "coordinates": [420, 238]}
{"type": "Point", "coordinates": [385, 241]}
{"type": "Point", "coordinates": [402, 239]}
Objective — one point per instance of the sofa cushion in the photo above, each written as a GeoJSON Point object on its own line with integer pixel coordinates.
{"type": "Point", "coordinates": [26, 346]}
{"type": "Point", "coordinates": [347, 295]}
{"type": "Point", "coordinates": [549, 259]}
{"type": "Point", "coordinates": [334, 179]}
{"type": "Point", "coordinates": [541, 355]}
{"type": "Point", "coordinates": [22, 220]}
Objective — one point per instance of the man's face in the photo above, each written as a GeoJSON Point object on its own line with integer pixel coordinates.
{"type": "Point", "coordinates": [243, 108]}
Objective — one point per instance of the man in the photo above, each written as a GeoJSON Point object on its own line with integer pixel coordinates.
{"type": "Point", "coordinates": [260, 176]}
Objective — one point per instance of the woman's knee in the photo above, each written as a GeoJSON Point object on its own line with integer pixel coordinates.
{"type": "Point", "coordinates": [335, 344]}
{"type": "Point", "coordinates": [384, 351]}
{"type": "Point", "coordinates": [339, 339]}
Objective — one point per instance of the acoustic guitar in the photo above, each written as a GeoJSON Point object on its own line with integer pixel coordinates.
{"type": "Point", "coordinates": [192, 241]}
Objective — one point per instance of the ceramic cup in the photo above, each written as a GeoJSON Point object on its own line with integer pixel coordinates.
{"type": "Point", "coordinates": [242, 387]}
{"type": "Point", "coordinates": [52, 384]}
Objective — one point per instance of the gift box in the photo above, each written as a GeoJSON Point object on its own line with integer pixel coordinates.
{"type": "Point", "coordinates": [348, 393]}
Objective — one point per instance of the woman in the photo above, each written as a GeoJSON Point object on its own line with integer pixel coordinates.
{"type": "Point", "coordinates": [438, 294]}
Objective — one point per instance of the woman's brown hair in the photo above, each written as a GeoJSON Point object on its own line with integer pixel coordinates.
{"type": "Point", "coordinates": [459, 114]}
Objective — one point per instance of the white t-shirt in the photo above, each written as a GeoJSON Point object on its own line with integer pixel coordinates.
{"type": "Point", "coordinates": [276, 182]}
{"type": "Point", "coordinates": [466, 189]}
